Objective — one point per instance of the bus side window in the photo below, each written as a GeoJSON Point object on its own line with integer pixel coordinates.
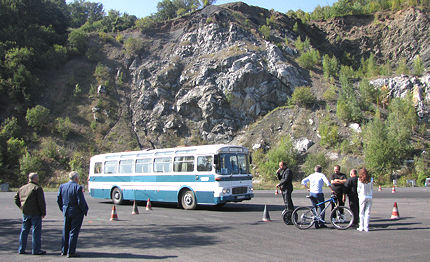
{"type": "Point", "coordinates": [125, 166]}
{"type": "Point", "coordinates": [162, 164]}
{"type": "Point", "coordinates": [204, 163]}
{"type": "Point", "coordinates": [98, 168]}
{"type": "Point", "coordinates": [110, 167]}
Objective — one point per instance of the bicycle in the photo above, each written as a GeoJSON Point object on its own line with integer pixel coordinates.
{"type": "Point", "coordinates": [341, 217]}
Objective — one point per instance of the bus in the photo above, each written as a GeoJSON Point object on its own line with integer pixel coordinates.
{"type": "Point", "coordinates": [188, 176]}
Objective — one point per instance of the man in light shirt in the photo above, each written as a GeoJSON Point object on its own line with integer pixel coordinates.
{"type": "Point", "coordinates": [316, 182]}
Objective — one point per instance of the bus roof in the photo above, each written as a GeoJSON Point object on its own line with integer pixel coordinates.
{"type": "Point", "coordinates": [204, 149]}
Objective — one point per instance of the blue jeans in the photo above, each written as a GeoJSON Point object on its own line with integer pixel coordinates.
{"type": "Point", "coordinates": [27, 223]}
{"type": "Point", "coordinates": [318, 198]}
{"type": "Point", "coordinates": [72, 226]}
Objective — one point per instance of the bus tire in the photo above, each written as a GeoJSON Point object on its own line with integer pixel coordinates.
{"type": "Point", "coordinates": [188, 200]}
{"type": "Point", "coordinates": [116, 196]}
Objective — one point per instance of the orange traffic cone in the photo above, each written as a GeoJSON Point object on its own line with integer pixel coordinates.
{"type": "Point", "coordinates": [395, 213]}
{"type": "Point", "coordinates": [266, 216]}
{"type": "Point", "coordinates": [276, 192]}
{"type": "Point", "coordinates": [148, 205]}
{"type": "Point", "coordinates": [113, 216]}
{"type": "Point", "coordinates": [135, 210]}
{"type": "Point", "coordinates": [393, 190]}
{"type": "Point", "coordinates": [379, 188]}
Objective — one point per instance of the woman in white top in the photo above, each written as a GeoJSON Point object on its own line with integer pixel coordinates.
{"type": "Point", "coordinates": [365, 191]}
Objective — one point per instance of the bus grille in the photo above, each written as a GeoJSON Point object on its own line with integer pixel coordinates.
{"type": "Point", "coordinates": [239, 190]}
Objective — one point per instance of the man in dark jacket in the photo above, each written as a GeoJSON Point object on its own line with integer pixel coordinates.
{"type": "Point", "coordinates": [351, 191]}
{"type": "Point", "coordinates": [285, 177]}
{"type": "Point", "coordinates": [71, 202]}
{"type": "Point", "coordinates": [31, 200]}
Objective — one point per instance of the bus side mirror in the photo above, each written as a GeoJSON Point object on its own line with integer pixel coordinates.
{"type": "Point", "coordinates": [216, 162]}
{"type": "Point", "coordinates": [250, 159]}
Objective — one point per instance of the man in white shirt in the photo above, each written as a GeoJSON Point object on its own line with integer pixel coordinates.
{"type": "Point", "coordinates": [316, 182]}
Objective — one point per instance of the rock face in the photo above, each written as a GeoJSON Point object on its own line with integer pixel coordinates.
{"type": "Point", "coordinates": [400, 86]}
{"type": "Point", "coordinates": [389, 36]}
{"type": "Point", "coordinates": [208, 74]}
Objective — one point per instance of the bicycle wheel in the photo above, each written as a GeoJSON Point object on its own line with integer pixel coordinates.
{"type": "Point", "coordinates": [341, 217]}
{"type": "Point", "coordinates": [286, 216]}
{"type": "Point", "coordinates": [303, 217]}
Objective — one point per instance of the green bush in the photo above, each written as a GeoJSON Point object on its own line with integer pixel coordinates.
{"type": "Point", "coordinates": [37, 117]}
{"type": "Point", "coordinates": [265, 31]}
{"type": "Point", "coordinates": [10, 128]}
{"type": "Point", "coordinates": [78, 163]}
{"type": "Point", "coordinates": [267, 164]}
{"type": "Point", "coordinates": [329, 132]}
{"type": "Point", "coordinates": [309, 59]}
{"type": "Point", "coordinates": [30, 163]}
{"type": "Point", "coordinates": [302, 96]}
{"type": "Point", "coordinates": [314, 159]}
{"type": "Point", "coordinates": [330, 95]}
{"type": "Point", "coordinates": [418, 66]}
{"type": "Point", "coordinates": [421, 170]}
{"type": "Point", "coordinates": [78, 39]}
{"type": "Point", "coordinates": [133, 46]}
{"type": "Point", "coordinates": [402, 67]}
{"type": "Point", "coordinates": [330, 66]}
{"type": "Point", "coordinates": [63, 126]}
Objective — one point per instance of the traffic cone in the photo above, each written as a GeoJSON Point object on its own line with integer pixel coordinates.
{"type": "Point", "coordinates": [393, 190]}
{"type": "Point", "coordinates": [135, 210]}
{"type": "Point", "coordinates": [113, 216]}
{"type": "Point", "coordinates": [276, 192]}
{"type": "Point", "coordinates": [395, 213]}
{"type": "Point", "coordinates": [148, 205]}
{"type": "Point", "coordinates": [266, 216]}
{"type": "Point", "coordinates": [379, 188]}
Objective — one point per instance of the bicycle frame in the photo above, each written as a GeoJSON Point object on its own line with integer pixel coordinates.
{"type": "Point", "coordinates": [314, 208]}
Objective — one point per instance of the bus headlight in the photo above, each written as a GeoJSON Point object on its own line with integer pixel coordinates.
{"type": "Point", "coordinates": [250, 189]}
{"type": "Point", "coordinates": [226, 191]}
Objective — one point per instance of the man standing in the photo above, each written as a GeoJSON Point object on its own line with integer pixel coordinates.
{"type": "Point", "coordinates": [338, 180]}
{"type": "Point", "coordinates": [31, 200]}
{"type": "Point", "coordinates": [285, 176]}
{"type": "Point", "coordinates": [316, 182]}
{"type": "Point", "coordinates": [71, 202]}
{"type": "Point", "coordinates": [351, 191]}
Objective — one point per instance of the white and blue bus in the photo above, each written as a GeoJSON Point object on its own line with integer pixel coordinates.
{"type": "Point", "coordinates": [189, 176]}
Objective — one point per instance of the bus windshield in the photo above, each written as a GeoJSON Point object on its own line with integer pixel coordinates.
{"type": "Point", "coordinates": [233, 164]}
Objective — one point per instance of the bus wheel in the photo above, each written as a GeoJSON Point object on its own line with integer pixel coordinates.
{"type": "Point", "coordinates": [188, 200]}
{"type": "Point", "coordinates": [116, 196]}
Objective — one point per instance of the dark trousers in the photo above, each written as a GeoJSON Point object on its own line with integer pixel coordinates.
{"type": "Point", "coordinates": [72, 226]}
{"type": "Point", "coordinates": [354, 206]}
{"type": "Point", "coordinates": [339, 196]}
{"type": "Point", "coordinates": [286, 195]}
{"type": "Point", "coordinates": [27, 223]}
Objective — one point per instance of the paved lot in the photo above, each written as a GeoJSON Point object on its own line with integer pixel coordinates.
{"type": "Point", "coordinates": [234, 232]}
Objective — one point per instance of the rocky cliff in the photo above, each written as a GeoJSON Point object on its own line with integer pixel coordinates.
{"type": "Point", "coordinates": [210, 75]}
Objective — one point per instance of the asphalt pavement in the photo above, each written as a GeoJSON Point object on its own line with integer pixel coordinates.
{"type": "Point", "coordinates": [234, 232]}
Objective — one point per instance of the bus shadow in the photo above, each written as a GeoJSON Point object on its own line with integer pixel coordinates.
{"type": "Point", "coordinates": [121, 255]}
{"type": "Point", "coordinates": [229, 207]}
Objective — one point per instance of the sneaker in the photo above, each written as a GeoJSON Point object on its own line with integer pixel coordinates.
{"type": "Point", "coordinates": [72, 255]}
{"type": "Point", "coordinates": [359, 229]}
{"type": "Point", "coordinates": [41, 252]}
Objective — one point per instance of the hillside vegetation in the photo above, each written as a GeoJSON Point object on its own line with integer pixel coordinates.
{"type": "Point", "coordinates": [351, 79]}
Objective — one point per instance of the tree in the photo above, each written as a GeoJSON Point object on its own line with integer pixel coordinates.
{"type": "Point", "coordinates": [418, 66]}
{"type": "Point", "coordinates": [402, 67]}
{"type": "Point", "coordinates": [378, 154]}
{"type": "Point", "coordinates": [330, 66]}
{"type": "Point", "coordinates": [37, 117]}
{"type": "Point", "coordinates": [81, 11]}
